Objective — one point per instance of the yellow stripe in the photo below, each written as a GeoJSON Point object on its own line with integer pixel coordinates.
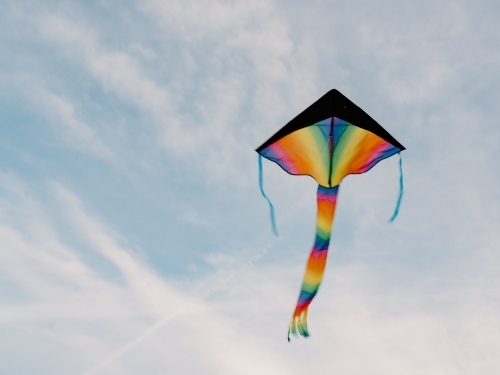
{"type": "Point", "coordinates": [306, 149]}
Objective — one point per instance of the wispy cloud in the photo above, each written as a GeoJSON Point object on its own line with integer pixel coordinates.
{"type": "Point", "coordinates": [116, 70]}
{"type": "Point", "coordinates": [75, 132]}
{"type": "Point", "coordinates": [56, 288]}
{"type": "Point", "coordinates": [200, 117]}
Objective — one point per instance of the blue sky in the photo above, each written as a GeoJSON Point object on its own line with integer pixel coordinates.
{"type": "Point", "coordinates": [133, 237]}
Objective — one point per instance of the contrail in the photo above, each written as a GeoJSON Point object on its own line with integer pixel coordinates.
{"type": "Point", "coordinates": [151, 330]}
{"type": "Point", "coordinates": [208, 291]}
{"type": "Point", "coordinates": [131, 344]}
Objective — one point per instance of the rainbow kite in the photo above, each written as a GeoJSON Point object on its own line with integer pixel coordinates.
{"type": "Point", "coordinates": [328, 141]}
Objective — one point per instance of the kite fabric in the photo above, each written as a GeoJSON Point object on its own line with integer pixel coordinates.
{"type": "Point", "coordinates": [328, 141]}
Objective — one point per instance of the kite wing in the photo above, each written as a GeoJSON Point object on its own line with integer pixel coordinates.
{"type": "Point", "coordinates": [328, 141]}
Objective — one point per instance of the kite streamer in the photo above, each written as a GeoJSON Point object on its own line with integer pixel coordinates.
{"type": "Point", "coordinates": [327, 201]}
{"type": "Point", "coordinates": [401, 190]}
{"type": "Point", "coordinates": [271, 207]}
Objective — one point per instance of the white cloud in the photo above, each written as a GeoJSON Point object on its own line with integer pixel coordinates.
{"type": "Point", "coordinates": [105, 325]}
{"type": "Point", "coordinates": [61, 114]}
{"type": "Point", "coordinates": [207, 126]}
{"type": "Point", "coordinates": [118, 71]}
{"type": "Point", "coordinates": [196, 19]}
{"type": "Point", "coordinates": [193, 217]}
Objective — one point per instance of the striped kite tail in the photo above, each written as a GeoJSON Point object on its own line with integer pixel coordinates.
{"type": "Point", "coordinates": [327, 200]}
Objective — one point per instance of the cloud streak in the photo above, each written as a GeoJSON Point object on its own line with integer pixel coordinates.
{"type": "Point", "coordinates": [64, 290]}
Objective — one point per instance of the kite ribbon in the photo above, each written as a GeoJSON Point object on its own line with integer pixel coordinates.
{"type": "Point", "coordinates": [271, 207]}
{"type": "Point", "coordinates": [327, 201]}
{"type": "Point", "coordinates": [398, 204]}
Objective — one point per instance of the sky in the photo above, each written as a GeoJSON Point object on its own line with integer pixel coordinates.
{"type": "Point", "coordinates": [133, 236]}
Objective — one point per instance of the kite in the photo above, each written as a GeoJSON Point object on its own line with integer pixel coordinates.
{"type": "Point", "coordinates": [328, 141]}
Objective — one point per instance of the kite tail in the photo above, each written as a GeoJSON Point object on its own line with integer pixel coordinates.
{"type": "Point", "coordinates": [327, 200]}
{"type": "Point", "coordinates": [400, 197]}
{"type": "Point", "coordinates": [271, 207]}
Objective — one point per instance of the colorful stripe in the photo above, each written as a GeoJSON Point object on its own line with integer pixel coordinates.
{"type": "Point", "coordinates": [356, 150]}
{"type": "Point", "coordinates": [327, 200]}
{"type": "Point", "coordinates": [304, 152]}
{"type": "Point", "coordinates": [308, 151]}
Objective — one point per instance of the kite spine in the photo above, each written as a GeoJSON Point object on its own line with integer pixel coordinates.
{"type": "Point", "coordinates": [331, 145]}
